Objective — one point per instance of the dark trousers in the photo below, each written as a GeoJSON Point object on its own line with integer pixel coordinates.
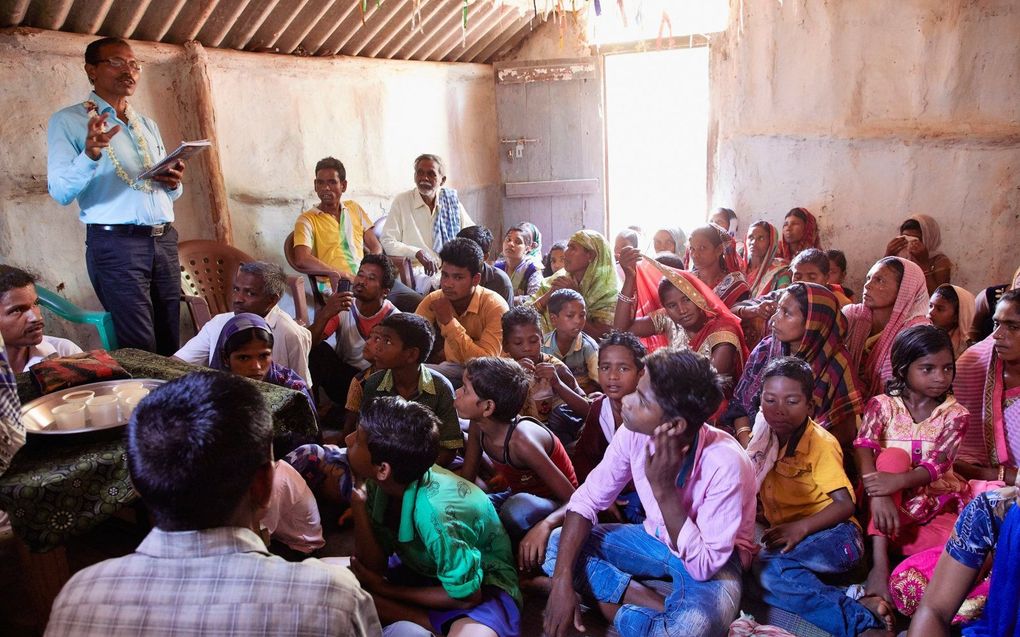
{"type": "Point", "coordinates": [138, 280]}
{"type": "Point", "coordinates": [330, 374]}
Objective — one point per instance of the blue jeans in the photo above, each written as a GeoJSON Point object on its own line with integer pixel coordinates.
{"type": "Point", "coordinates": [521, 511]}
{"type": "Point", "coordinates": [614, 554]}
{"type": "Point", "coordinates": [789, 580]}
{"type": "Point", "coordinates": [138, 281]}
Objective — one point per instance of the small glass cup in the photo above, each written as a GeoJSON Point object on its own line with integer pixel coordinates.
{"type": "Point", "coordinates": [78, 396]}
{"type": "Point", "coordinates": [128, 386]}
{"type": "Point", "coordinates": [69, 416]}
{"type": "Point", "coordinates": [129, 402]}
{"type": "Point", "coordinates": [103, 411]}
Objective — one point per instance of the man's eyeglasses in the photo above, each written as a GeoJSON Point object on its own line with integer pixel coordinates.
{"type": "Point", "coordinates": [119, 63]}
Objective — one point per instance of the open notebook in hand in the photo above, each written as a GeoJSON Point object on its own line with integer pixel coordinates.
{"type": "Point", "coordinates": [185, 151]}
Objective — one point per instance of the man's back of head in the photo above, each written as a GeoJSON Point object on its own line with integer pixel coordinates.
{"type": "Point", "coordinates": [194, 447]}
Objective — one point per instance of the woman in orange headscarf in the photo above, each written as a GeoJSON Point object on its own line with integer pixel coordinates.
{"type": "Point", "coordinates": [682, 311]}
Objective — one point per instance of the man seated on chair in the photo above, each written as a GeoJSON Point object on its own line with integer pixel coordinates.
{"type": "Point", "coordinates": [351, 315]}
{"type": "Point", "coordinates": [21, 322]}
{"type": "Point", "coordinates": [335, 234]}
{"type": "Point", "coordinates": [467, 316]}
{"type": "Point", "coordinates": [423, 219]}
{"type": "Point", "coordinates": [258, 287]}
{"type": "Point", "coordinates": [199, 455]}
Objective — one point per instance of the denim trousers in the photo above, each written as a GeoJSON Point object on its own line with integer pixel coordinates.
{"type": "Point", "coordinates": [138, 281]}
{"type": "Point", "coordinates": [520, 511]}
{"type": "Point", "coordinates": [615, 554]}
{"type": "Point", "coordinates": [789, 580]}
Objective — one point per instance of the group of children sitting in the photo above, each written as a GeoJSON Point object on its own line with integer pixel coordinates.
{"type": "Point", "coordinates": [589, 470]}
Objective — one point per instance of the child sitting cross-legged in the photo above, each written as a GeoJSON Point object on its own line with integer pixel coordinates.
{"type": "Point", "coordinates": [400, 344]}
{"type": "Point", "coordinates": [453, 570]}
{"type": "Point", "coordinates": [568, 340]}
{"type": "Point", "coordinates": [808, 502]}
{"type": "Point", "coordinates": [553, 385]}
{"type": "Point", "coordinates": [526, 455]}
{"type": "Point", "coordinates": [906, 448]}
{"type": "Point", "coordinates": [697, 488]}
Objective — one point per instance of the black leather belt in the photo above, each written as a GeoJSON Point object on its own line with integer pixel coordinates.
{"type": "Point", "coordinates": [133, 229]}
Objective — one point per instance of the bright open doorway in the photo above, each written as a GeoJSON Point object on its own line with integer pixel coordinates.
{"type": "Point", "coordinates": [656, 139]}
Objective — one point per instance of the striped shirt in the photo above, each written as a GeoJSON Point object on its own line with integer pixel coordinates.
{"type": "Point", "coordinates": [215, 581]}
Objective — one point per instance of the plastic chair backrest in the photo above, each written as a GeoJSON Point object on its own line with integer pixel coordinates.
{"type": "Point", "coordinates": [208, 269]}
{"type": "Point", "coordinates": [70, 312]}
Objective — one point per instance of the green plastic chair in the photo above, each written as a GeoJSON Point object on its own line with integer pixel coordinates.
{"type": "Point", "coordinates": [71, 312]}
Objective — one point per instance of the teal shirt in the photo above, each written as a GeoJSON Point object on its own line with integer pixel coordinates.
{"type": "Point", "coordinates": [434, 392]}
{"type": "Point", "coordinates": [449, 530]}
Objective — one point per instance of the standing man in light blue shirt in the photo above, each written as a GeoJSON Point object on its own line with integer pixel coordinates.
{"type": "Point", "coordinates": [96, 150]}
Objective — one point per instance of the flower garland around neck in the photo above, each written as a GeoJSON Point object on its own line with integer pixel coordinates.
{"type": "Point", "coordinates": [143, 147]}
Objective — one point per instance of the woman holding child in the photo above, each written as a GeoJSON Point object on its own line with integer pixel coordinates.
{"type": "Point", "coordinates": [587, 268]}
{"type": "Point", "coordinates": [681, 307]}
{"type": "Point", "coordinates": [894, 298]}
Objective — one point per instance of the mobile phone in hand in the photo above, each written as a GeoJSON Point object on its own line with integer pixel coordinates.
{"type": "Point", "coordinates": [344, 286]}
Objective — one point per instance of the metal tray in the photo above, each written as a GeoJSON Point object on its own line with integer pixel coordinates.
{"type": "Point", "coordinates": [38, 419]}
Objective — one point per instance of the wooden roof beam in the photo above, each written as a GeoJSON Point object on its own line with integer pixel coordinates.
{"type": "Point", "coordinates": [392, 17]}
{"type": "Point", "coordinates": [195, 15]}
{"type": "Point", "coordinates": [476, 24]}
{"type": "Point", "coordinates": [323, 49]}
{"type": "Point", "coordinates": [508, 19]}
{"type": "Point", "coordinates": [510, 35]}
{"type": "Point", "coordinates": [440, 31]}
{"type": "Point", "coordinates": [401, 20]}
{"type": "Point", "coordinates": [248, 24]}
{"type": "Point", "coordinates": [289, 42]}
{"type": "Point", "coordinates": [421, 27]}
{"type": "Point", "coordinates": [217, 31]}
{"type": "Point", "coordinates": [271, 31]}
{"type": "Point", "coordinates": [88, 18]}
{"type": "Point", "coordinates": [157, 22]}
{"type": "Point", "coordinates": [51, 15]}
{"type": "Point", "coordinates": [13, 13]}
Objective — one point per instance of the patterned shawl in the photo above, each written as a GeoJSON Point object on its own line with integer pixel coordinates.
{"type": "Point", "coordinates": [720, 319]}
{"type": "Point", "coordinates": [12, 429]}
{"type": "Point", "coordinates": [978, 387]}
{"type": "Point", "coordinates": [447, 222]}
{"type": "Point", "coordinates": [772, 269]}
{"type": "Point", "coordinates": [837, 392]}
{"type": "Point", "coordinates": [598, 285]}
{"type": "Point", "coordinates": [910, 308]}
{"type": "Point", "coordinates": [810, 238]}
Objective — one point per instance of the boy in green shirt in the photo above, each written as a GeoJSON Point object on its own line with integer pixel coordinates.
{"type": "Point", "coordinates": [456, 568]}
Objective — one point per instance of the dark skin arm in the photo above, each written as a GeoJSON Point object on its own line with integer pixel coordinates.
{"type": "Point", "coordinates": [624, 319]}
{"type": "Point", "coordinates": [561, 609]}
{"type": "Point", "coordinates": [947, 589]}
{"type": "Point", "coordinates": [879, 486]}
{"type": "Point", "coordinates": [472, 453]}
{"type": "Point", "coordinates": [975, 472]}
{"type": "Point", "coordinates": [425, 596]}
{"type": "Point", "coordinates": [335, 303]}
{"type": "Point", "coordinates": [367, 549]}
{"type": "Point", "coordinates": [564, 385]}
{"type": "Point", "coordinates": [785, 537]}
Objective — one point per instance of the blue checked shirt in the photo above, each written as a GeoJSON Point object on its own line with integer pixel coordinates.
{"type": "Point", "coordinates": [12, 430]}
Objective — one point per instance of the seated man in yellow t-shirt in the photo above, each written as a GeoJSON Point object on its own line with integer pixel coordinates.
{"type": "Point", "coordinates": [336, 234]}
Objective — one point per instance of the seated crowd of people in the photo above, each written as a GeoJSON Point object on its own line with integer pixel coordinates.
{"type": "Point", "coordinates": [668, 429]}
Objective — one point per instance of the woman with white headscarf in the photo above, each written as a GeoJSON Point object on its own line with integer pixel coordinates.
{"type": "Point", "coordinates": [919, 240]}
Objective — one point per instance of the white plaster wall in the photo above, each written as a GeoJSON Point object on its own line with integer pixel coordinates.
{"type": "Point", "coordinates": [866, 112]}
{"type": "Point", "coordinates": [276, 116]}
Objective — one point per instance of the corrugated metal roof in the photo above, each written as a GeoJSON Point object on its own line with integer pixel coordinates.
{"type": "Point", "coordinates": [392, 29]}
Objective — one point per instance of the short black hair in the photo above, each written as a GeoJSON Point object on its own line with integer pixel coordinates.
{"type": "Point", "coordinates": [626, 340]}
{"type": "Point", "coordinates": [671, 260]}
{"type": "Point", "coordinates": [501, 380]}
{"type": "Point", "coordinates": [463, 253]}
{"type": "Point", "coordinates": [800, 213]}
{"type": "Point", "coordinates": [194, 445]}
{"type": "Point", "coordinates": [238, 340]}
{"type": "Point", "coordinates": [910, 345]}
{"type": "Point", "coordinates": [685, 383]}
{"type": "Point", "coordinates": [332, 163]}
{"type": "Point", "coordinates": [389, 273]}
{"type": "Point", "coordinates": [413, 330]}
{"type": "Point", "coordinates": [92, 51]}
{"type": "Point", "coordinates": [480, 235]}
{"type": "Point", "coordinates": [547, 259]}
{"type": "Point", "coordinates": [911, 224]}
{"type": "Point", "coordinates": [795, 369]}
{"type": "Point", "coordinates": [815, 257]}
{"type": "Point", "coordinates": [837, 257]}
{"type": "Point", "coordinates": [561, 297]}
{"type": "Point", "coordinates": [12, 278]}
{"type": "Point", "coordinates": [518, 316]}
{"type": "Point", "coordinates": [1011, 296]}
{"type": "Point", "coordinates": [403, 434]}
{"type": "Point", "coordinates": [895, 265]}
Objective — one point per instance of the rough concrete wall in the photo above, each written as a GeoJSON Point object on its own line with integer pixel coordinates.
{"type": "Point", "coordinates": [867, 112]}
{"type": "Point", "coordinates": [276, 116]}
{"type": "Point", "coordinates": [556, 38]}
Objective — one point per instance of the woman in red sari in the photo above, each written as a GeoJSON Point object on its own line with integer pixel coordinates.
{"type": "Point", "coordinates": [682, 310]}
{"type": "Point", "coordinates": [800, 232]}
{"type": "Point", "coordinates": [713, 257]}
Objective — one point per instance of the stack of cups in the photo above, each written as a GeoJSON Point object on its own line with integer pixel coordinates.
{"type": "Point", "coordinates": [129, 395]}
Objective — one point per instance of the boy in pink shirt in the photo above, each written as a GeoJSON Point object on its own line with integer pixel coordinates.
{"type": "Point", "coordinates": [697, 488]}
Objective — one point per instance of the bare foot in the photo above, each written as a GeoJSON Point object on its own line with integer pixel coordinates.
{"type": "Point", "coordinates": [877, 583]}
{"type": "Point", "coordinates": [881, 609]}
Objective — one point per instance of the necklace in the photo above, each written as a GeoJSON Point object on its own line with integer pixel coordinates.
{"type": "Point", "coordinates": [143, 147]}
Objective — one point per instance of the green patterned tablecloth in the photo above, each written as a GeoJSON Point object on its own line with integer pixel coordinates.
{"type": "Point", "coordinates": [56, 489]}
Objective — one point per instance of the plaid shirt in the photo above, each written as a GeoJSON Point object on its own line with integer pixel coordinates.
{"type": "Point", "coordinates": [12, 430]}
{"type": "Point", "coordinates": [217, 581]}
